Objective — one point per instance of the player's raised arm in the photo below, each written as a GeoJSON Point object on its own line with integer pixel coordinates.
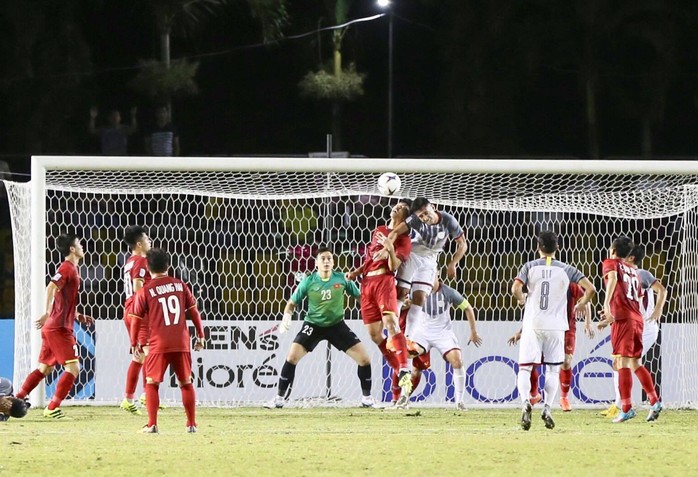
{"type": "Point", "coordinates": [397, 231]}
{"type": "Point", "coordinates": [394, 261]}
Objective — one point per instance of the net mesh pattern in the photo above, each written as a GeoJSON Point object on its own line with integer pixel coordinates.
{"type": "Point", "coordinates": [243, 241]}
{"type": "Point", "coordinates": [19, 198]}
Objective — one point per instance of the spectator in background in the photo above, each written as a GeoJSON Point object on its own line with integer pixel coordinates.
{"type": "Point", "coordinates": [114, 135]}
{"type": "Point", "coordinates": [163, 138]}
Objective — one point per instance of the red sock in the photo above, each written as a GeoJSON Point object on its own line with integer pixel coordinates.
{"type": "Point", "coordinates": [152, 402]}
{"type": "Point", "coordinates": [189, 403]}
{"type": "Point", "coordinates": [389, 356]}
{"type": "Point", "coordinates": [134, 370]}
{"type": "Point", "coordinates": [534, 381]}
{"type": "Point", "coordinates": [400, 345]}
{"type": "Point", "coordinates": [397, 390]}
{"type": "Point", "coordinates": [65, 382]}
{"type": "Point", "coordinates": [565, 381]}
{"type": "Point", "coordinates": [145, 381]}
{"type": "Point", "coordinates": [625, 386]}
{"type": "Point", "coordinates": [30, 383]}
{"type": "Point", "coordinates": [647, 383]}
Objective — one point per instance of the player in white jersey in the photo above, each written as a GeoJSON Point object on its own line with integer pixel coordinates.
{"type": "Point", "coordinates": [437, 332]}
{"type": "Point", "coordinates": [651, 313]}
{"type": "Point", "coordinates": [429, 230]}
{"type": "Point", "coordinates": [545, 321]}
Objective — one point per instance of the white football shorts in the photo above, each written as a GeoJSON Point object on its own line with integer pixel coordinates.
{"type": "Point", "coordinates": [542, 346]}
{"type": "Point", "coordinates": [417, 273]}
{"type": "Point", "coordinates": [650, 333]}
{"type": "Point", "coordinates": [441, 339]}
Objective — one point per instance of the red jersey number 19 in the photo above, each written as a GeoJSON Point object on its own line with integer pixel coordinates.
{"type": "Point", "coordinates": [170, 309]}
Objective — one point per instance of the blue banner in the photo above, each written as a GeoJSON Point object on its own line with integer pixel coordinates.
{"type": "Point", "coordinates": [7, 348]}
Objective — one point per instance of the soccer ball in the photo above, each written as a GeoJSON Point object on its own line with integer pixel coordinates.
{"type": "Point", "coordinates": [389, 183]}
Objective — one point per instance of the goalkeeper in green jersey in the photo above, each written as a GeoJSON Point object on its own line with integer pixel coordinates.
{"type": "Point", "coordinates": [325, 290]}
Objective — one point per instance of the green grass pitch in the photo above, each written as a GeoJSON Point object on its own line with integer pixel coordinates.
{"type": "Point", "coordinates": [345, 442]}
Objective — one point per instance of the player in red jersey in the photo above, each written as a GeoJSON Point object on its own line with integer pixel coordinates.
{"type": "Point", "coordinates": [621, 308]}
{"type": "Point", "coordinates": [379, 295]}
{"type": "Point", "coordinates": [58, 345]}
{"type": "Point", "coordinates": [574, 294]}
{"type": "Point", "coordinates": [164, 302]}
{"type": "Point", "coordinates": [135, 275]}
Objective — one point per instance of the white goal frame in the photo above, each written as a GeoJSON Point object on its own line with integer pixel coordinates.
{"type": "Point", "coordinates": [41, 164]}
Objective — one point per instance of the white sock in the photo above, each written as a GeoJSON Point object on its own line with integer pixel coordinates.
{"type": "Point", "coordinates": [552, 383]}
{"type": "Point", "coordinates": [616, 387]}
{"type": "Point", "coordinates": [459, 384]}
{"type": "Point", "coordinates": [523, 383]}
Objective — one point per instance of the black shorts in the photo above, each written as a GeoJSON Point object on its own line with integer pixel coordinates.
{"type": "Point", "coordinates": [339, 336]}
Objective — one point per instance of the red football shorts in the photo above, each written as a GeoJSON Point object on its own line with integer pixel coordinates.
{"type": "Point", "coordinates": [58, 347]}
{"type": "Point", "coordinates": [626, 338]}
{"type": "Point", "coordinates": [570, 339]}
{"type": "Point", "coordinates": [378, 295]}
{"type": "Point", "coordinates": [156, 364]}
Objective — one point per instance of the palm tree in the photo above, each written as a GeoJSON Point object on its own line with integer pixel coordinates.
{"type": "Point", "coordinates": [166, 77]}
{"type": "Point", "coordinates": [336, 84]}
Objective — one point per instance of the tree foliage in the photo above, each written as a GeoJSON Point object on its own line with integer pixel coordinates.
{"type": "Point", "coordinates": [158, 82]}
{"type": "Point", "coordinates": [325, 85]}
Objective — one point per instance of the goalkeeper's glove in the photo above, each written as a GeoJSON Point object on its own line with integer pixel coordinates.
{"type": "Point", "coordinates": [285, 324]}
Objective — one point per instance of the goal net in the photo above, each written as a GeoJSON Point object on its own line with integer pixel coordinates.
{"type": "Point", "coordinates": [243, 232]}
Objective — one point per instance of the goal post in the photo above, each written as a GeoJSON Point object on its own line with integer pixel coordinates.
{"type": "Point", "coordinates": [242, 232]}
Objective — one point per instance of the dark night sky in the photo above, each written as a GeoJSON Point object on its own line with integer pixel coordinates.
{"type": "Point", "coordinates": [249, 102]}
{"type": "Point", "coordinates": [472, 79]}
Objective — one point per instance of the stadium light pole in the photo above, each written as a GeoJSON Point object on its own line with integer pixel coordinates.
{"type": "Point", "coordinates": [388, 7]}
